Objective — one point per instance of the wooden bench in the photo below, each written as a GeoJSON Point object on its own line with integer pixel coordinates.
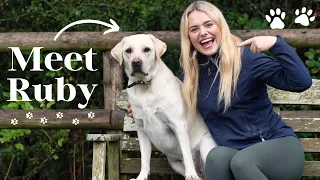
{"type": "Point", "coordinates": [303, 121]}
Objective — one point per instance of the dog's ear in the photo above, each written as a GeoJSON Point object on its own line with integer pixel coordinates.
{"type": "Point", "coordinates": [160, 46]}
{"type": "Point", "coordinates": [116, 52]}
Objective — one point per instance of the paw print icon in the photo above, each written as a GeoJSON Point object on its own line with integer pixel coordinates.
{"type": "Point", "coordinates": [276, 19]}
{"type": "Point", "coordinates": [304, 18]}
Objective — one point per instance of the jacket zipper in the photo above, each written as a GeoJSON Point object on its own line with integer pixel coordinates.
{"type": "Point", "coordinates": [254, 130]}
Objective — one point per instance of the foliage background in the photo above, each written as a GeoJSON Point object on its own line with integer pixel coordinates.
{"type": "Point", "coordinates": [64, 154]}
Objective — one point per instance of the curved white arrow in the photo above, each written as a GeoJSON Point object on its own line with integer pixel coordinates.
{"type": "Point", "coordinates": [114, 26]}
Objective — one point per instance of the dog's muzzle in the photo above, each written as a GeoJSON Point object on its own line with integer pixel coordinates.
{"type": "Point", "coordinates": [137, 67]}
{"type": "Point", "coordinates": [136, 63]}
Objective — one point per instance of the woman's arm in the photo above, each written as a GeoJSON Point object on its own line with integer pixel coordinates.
{"type": "Point", "coordinates": [287, 72]}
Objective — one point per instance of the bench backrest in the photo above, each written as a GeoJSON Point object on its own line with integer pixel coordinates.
{"type": "Point", "coordinates": [302, 121]}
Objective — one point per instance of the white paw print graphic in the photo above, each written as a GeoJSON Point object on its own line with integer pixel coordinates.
{"type": "Point", "coordinates": [91, 115]}
{"type": "Point", "coordinates": [276, 19]}
{"type": "Point", "coordinates": [304, 18]}
{"type": "Point", "coordinates": [29, 115]}
{"type": "Point", "coordinates": [59, 115]}
{"type": "Point", "coordinates": [14, 121]}
{"type": "Point", "coordinates": [75, 121]}
{"type": "Point", "coordinates": [44, 120]}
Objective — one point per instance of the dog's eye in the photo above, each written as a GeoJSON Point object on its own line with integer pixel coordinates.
{"type": "Point", "coordinates": [129, 50]}
{"type": "Point", "coordinates": [146, 49]}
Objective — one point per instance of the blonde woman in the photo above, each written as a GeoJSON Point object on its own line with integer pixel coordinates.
{"type": "Point", "coordinates": [227, 82]}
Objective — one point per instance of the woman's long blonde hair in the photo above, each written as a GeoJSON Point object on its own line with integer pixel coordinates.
{"type": "Point", "coordinates": [229, 62]}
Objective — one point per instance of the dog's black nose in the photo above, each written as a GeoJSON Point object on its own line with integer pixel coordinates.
{"type": "Point", "coordinates": [136, 63]}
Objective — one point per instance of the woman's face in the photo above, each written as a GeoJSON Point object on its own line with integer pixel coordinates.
{"type": "Point", "coordinates": [204, 33]}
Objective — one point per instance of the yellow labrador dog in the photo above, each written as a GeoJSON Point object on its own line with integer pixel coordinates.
{"type": "Point", "coordinates": [158, 108]}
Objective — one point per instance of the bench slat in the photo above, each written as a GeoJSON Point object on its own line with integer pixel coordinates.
{"type": "Point", "coordinates": [157, 166]}
{"type": "Point", "coordinates": [304, 115]}
{"type": "Point", "coordinates": [310, 96]}
{"type": "Point", "coordinates": [311, 168]}
{"type": "Point", "coordinates": [161, 166]}
{"type": "Point", "coordinates": [309, 144]}
{"type": "Point", "coordinates": [302, 121]}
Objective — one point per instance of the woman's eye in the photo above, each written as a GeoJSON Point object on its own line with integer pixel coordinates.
{"type": "Point", "coordinates": [146, 49]}
{"type": "Point", "coordinates": [129, 50]}
{"type": "Point", "coordinates": [209, 25]}
{"type": "Point", "coordinates": [194, 29]}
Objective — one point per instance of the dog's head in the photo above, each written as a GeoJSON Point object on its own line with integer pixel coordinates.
{"type": "Point", "coordinates": [139, 53]}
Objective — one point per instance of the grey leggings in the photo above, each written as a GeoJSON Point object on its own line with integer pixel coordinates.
{"type": "Point", "coordinates": [276, 159]}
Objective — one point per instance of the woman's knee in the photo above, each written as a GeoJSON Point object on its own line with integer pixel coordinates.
{"type": "Point", "coordinates": [219, 155]}
{"type": "Point", "coordinates": [218, 163]}
{"type": "Point", "coordinates": [239, 163]}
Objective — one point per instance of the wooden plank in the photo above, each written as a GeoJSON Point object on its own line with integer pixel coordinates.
{"type": "Point", "coordinates": [99, 160]}
{"type": "Point", "coordinates": [309, 144]}
{"type": "Point", "coordinates": [157, 166]}
{"type": "Point", "coordinates": [48, 119]}
{"type": "Point", "coordinates": [311, 168]}
{"type": "Point", "coordinates": [276, 109]}
{"type": "Point", "coordinates": [161, 166]}
{"type": "Point", "coordinates": [113, 160]}
{"type": "Point", "coordinates": [132, 144]}
{"type": "Point", "coordinates": [122, 100]}
{"type": "Point", "coordinates": [95, 40]}
{"type": "Point", "coordinates": [124, 156]}
{"type": "Point", "coordinates": [103, 137]}
{"type": "Point", "coordinates": [302, 121]}
{"type": "Point", "coordinates": [112, 80]}
{"type": "Point", "coordinates": [310, 96]}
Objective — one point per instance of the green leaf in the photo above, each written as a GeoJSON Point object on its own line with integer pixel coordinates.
{"type": "Point", "coordinates": [309, 54]}
{"type": "Point", "coordinates": [19, 146]}
{"type": "Point", "coordinates": [55, 157]}
{"type": "Point", "coordinates": [13, 105]}
{"type": "Point", "coordinates": [314, 70]}
{"type": "Point", "coordinates": [27, 131]}
{"type": "Point", "coordinates": [60, 142]}
{"type": "Point", "coordinates": [50, 104]}
{"type": "Point", "coordinates": [311, 63]}
{"type": "Point", "coordinates": [6, 94]}
{"type": "Point", "coordinates": [42, 104]}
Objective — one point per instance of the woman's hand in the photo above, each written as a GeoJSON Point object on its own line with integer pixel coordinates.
{"type": "Point", "coordinates": [259, 43]}
{"type": "Point", "coordinates": [130, 111]}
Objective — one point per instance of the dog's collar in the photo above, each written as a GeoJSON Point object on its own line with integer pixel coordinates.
{"type": "Point", "coordinates": [145, 83]}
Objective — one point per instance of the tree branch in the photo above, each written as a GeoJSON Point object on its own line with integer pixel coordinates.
{"type": "Point", "coordinates": [5, 178]}
{"type": "Point", "coordinates": [47, 135]}
{"type": "Point", "coordinates": [255, 7]}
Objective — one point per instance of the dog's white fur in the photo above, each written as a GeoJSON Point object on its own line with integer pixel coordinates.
{"type": "Point", "coordinates": [159, 111]}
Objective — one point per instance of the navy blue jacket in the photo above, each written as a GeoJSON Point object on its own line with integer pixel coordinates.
{"type": "Point", "coordinates": [251, 118]}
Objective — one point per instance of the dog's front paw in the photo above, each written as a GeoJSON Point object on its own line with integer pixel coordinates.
{"type": "Point", "coordinates": [143, 174]}
{"type": "Point", "coordinates": [192, 176]}
{"type": "Point", "coordinates": [146, 178]}
{"type": "Point", "coordinates": [141, 177]}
